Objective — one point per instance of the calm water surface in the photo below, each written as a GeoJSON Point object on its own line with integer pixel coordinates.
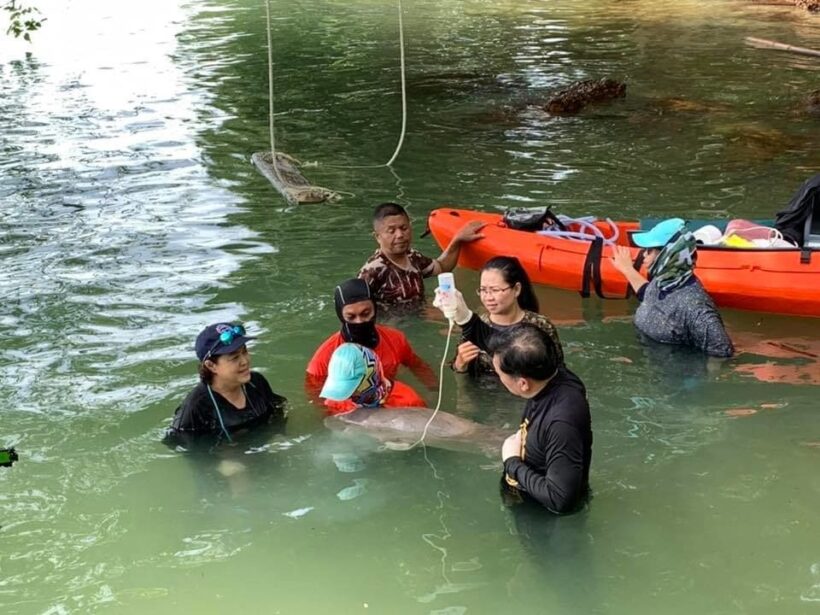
{"type": "Point", "coordinates": [131, 217]}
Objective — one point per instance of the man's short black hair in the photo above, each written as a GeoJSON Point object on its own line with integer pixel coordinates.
{"type": "Point", "coordinates": [524, 350]}
{"type": "Point", "coordinates": [383, 210]}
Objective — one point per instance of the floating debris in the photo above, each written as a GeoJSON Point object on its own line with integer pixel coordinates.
{"type": "Point", "coordinates": [289, 181]}
{"type": "Point", "coordinates": [358, 488]}
{"type": "Point", "coordinates": [348, 462]}
{"type": "Point", "coordinates": [299, 512]}
{"type": "Point", "coordinates": [740, 412]}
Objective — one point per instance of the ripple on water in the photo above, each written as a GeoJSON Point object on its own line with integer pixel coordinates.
{"type": "Point", "coordinates": [114, 247]}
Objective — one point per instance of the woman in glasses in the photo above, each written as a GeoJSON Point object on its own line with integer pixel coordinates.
{"type": "Point", "coordinates": [229, 398]}
{"type": "Point", "coordinates": [508, 298]}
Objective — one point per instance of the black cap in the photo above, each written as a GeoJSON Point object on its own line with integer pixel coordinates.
{"type": "Point", "coordinates": [209, 342]}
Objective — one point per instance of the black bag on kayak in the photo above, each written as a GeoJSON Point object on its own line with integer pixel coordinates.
{"type": "Point", "coordinates": [526, 219]}
{"type": "Point", "coordinates": [802, 212]}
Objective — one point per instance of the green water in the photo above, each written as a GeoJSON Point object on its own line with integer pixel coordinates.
{"type": "Point", "coordinates": [131, 217]}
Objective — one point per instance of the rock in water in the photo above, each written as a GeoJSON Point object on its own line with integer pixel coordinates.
{"type": "Point", "coordinates": [582, 93]}
{"type": "Point", "coordinates": [809, 5]}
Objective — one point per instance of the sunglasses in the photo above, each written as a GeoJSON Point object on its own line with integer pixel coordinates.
{"type": "Point", "coordinates": [226, 337]}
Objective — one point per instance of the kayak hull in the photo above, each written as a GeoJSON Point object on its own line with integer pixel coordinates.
{"type": "Point", "coordinates": [764, 280]}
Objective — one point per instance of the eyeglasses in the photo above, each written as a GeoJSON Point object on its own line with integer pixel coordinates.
{"type": "Point", "coordinates": [481, 290]}
{"type": "Point", "coordinates": [226, 337]}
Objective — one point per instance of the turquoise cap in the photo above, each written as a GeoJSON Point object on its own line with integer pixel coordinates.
{"type": "Point", "coordinates": [345, 372]}
{"type": "Point", "coordinates": [659, 235]}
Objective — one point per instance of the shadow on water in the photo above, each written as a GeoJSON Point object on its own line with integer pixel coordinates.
{"type": "Point", "coordinates": [559, 556]}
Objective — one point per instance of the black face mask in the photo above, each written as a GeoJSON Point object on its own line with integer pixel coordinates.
{"type": "Point", "coordinates": [363, 333]}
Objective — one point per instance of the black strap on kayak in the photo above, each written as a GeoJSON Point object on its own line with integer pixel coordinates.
{"type": "Point", "coordinates": [637, 264]}
{"type": "Point", "coordinates": [592, 268]}
{"type": "Point", "coordinates": [598, 248]}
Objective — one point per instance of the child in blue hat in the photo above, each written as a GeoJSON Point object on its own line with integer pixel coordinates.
{"type": "Point", "coordinates": [356, 379]}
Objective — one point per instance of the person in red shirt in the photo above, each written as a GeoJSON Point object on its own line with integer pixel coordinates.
{"type": "Point", "coordinates": [357, 313]}
{"type": "Point", "coordinates": [356, 380]}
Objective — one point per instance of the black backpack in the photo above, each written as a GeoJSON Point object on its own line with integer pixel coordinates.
{"type": "Point", "coordinates": [531, 219]}
{"type": "Point", "coordinates": [799, 217]}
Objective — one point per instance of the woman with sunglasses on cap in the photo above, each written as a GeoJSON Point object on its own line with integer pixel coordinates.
{"type": "Point", "coordinates": [507, 295]}
{"type": "Point", "coordinates": [229, 398]}
{"type": "Point", "coordinates": [675, 308]}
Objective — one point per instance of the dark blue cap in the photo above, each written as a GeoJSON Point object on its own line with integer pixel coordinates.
{"type": "Point", "coordinates": [211, 342]}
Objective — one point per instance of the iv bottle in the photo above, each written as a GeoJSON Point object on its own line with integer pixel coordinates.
{"type": "Point", "coordinates": [447, 294]}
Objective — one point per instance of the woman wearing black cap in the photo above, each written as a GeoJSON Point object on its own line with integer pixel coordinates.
{"type": "Point", "coordinates": [356, 311]}
{"type": "Point", "coordinates": [229, 396]}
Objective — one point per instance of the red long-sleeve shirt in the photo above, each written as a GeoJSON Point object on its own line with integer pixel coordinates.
{"type": "Point", "coordinates": [393, 351]}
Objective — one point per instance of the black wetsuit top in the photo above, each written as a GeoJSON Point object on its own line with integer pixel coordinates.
{"type": "Point", "coordinates": [553, 468]}
{"type": "Point", "coordinates": [198, 416]}
{"type": "Point", "coordinates": [479, 331]}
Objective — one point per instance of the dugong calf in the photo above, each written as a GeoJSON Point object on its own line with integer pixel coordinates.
{"type": "Point", "coordinates": [404, 426]}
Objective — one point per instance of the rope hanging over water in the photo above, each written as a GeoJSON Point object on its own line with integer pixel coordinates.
{"type": "Point", "coordinates": [282, 170]}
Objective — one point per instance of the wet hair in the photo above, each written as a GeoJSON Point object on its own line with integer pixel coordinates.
{"type": "Point", "coordinates": [384, 210]}
{"type": "Point", "coordinates": [526, 351]}
{"type": "Point", "coordinates": [513, 273]}
{"type": "Point", "coordinates": [205, 374]}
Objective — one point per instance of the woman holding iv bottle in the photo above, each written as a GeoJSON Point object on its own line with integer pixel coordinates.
{"type": "Point", "coordinates": [507, 295]}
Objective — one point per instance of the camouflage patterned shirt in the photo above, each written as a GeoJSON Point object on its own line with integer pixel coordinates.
{"type": "Point", "coordinates": [392, 285]}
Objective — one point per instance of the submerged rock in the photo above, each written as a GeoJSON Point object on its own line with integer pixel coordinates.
{"type": "Point", "coordinates": [753, 141]}
{"type": "Point", "coordinates": [684, 105]}
{"type": "Point", "coordinates": [812, 103]}
{"type": "Point", "coordinates": [582, 93]}
{"type": "Point", "coordinates": [809, 5]}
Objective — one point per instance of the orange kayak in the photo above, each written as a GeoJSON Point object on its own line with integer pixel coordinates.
{"type": "Point", "coordinates": [780, 280]}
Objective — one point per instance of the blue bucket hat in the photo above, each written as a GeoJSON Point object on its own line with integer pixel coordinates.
{"type": "Point", "coordinates": [220, 338]}
{"type": "Point", "coordinates": [659, 235]}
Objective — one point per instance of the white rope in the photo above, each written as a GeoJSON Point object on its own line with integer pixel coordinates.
{"type": "Point", "coordinates": [403, 103]}
{"type": "Point", "coordinates": [440, 388]}
{"type": "Point", "coordinates": [270, 96]}
{"type": "Point", "coordinates": [403, 99]}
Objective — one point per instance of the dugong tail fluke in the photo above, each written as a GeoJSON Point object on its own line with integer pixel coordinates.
{"type": "Point", "coordinates": [405, 425]}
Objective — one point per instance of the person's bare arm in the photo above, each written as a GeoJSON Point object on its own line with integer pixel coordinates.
{"type": "Point", "coordinates": [448, 259]}
{"type": "Point", "coordinates": [622, 261]}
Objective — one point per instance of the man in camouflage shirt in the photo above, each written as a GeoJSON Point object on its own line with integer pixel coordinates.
{"type": "Point", "coordinates": [396, 271]}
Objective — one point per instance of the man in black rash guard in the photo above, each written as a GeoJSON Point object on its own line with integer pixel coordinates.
{"type": "Point", "coordinates": [548, 458]}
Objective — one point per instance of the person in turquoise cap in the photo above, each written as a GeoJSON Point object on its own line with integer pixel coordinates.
{"type": "Point", "coordinates": [356, 379]}
{"type": "Point", "coordinates": [675, 308]}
